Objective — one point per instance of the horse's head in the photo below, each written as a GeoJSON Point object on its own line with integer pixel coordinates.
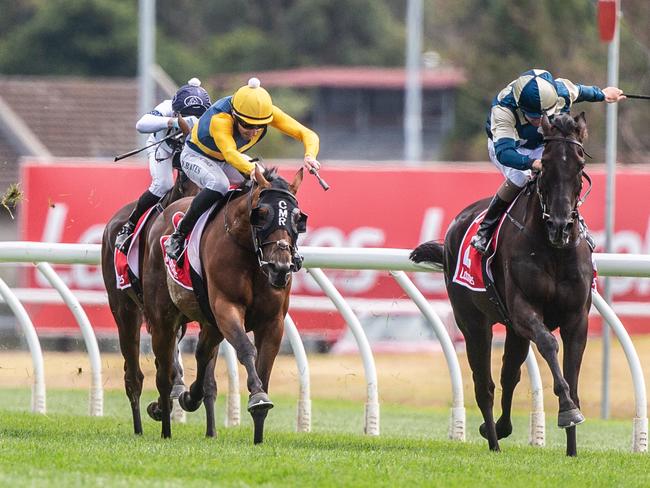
{"type": "Point", "coordinates": [560, 181]}
{"type": "Point", "coordinates": [276, 221]}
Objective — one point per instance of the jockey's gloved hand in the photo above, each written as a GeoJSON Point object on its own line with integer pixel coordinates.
{"type": "Point", "coordinates": [311, 163]}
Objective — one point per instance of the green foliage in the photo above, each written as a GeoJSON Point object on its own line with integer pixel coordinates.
{"type": "Point", "coordinates": [82, 37]}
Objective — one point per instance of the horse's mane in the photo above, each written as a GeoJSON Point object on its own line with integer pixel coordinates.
{"type": "Point", "coordinates": [565, 124]}
{"type": "Point", "coordinates": [271, 175]}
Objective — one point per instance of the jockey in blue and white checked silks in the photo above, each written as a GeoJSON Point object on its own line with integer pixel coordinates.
{"type": "Point", "coordinates": [515, 138]}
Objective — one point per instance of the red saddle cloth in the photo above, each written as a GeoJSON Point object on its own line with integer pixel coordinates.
{"type": "Point", "coordinates": [129, 261]}
{"type": "Point", "coordinates": [180, 274]}
{"type": "Point", "coordinates": [468, 268]}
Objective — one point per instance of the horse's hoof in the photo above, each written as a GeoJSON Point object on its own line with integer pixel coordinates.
{"type": "Point", "coordinates": [504, 429]}
{"type": "Point", "coordinates": [187, 404]}
{"type": "Point", "coordinates": [259, 401]}
{"type": "Point", "coordinates": [483, 431]}
{"type": "Point", "coordinates": [569, 418]}
{"type": "Point", "coordinates": [154, 411]}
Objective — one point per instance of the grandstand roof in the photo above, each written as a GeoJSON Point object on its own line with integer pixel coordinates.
{"type": "Point", "coordinates": [369, 77]}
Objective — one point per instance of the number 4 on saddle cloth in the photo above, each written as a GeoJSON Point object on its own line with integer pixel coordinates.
{"type": "Point", "coordinates": [470, 270]}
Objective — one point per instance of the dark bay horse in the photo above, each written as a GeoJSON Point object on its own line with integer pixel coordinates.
{"type": "Point", "coordinates": [543, 274]}
{"type": "Point", "coordinates": [126, 306]}
{"type": "Point", "coordinates": [247, 254]}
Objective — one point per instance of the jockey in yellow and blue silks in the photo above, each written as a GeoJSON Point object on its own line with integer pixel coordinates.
{"type": "Point", "coordinates": [213, 154]}
{"type": "Point", "coordinates": [515, 139]}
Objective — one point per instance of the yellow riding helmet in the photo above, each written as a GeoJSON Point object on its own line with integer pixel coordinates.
{"type": "Point", "coordinates": [253, 104]}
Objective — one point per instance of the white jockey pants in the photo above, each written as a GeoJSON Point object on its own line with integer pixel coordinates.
{"type": "Point", "coordinates": [517, 176]}
{"type": "Point", "coordinates": [162, 175]}
{"type": "Point", "coordinates": [208, 173]}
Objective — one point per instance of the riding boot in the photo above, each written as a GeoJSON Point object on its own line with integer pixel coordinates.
{"type": "Point", "coordinates": [492, 217]}
{"type": "Point", "coordinates": [175, 245]}
{"type": "Point", "coordinates": [145, 202]}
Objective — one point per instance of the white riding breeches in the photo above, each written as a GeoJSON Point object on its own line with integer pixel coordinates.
{"type": "Point", "coordinates": [517, 176]}
{"type": "Point", "coordinates": [208, 173]}
{"type": "Point", "coordinates": [162, 175]}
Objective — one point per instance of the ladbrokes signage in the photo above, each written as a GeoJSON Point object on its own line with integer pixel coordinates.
{"type": "Point", "coordinates": [366, 207]}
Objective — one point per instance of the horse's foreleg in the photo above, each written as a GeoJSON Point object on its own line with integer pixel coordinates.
{"type": "Point", "coordinates": [478, 345]}
{"type": "Point", "coordinates": [209, 396]}
{"type": "Point", "coordinates": [128, 319]}
{"type": "Point", "coordinates": [574, 340]}
{"type": "Point", "coordinates": [514, 354]}
{"type": "Point", "coordinates": [569, 414]}
{"type": "Point", "coordinates": [267, 342]}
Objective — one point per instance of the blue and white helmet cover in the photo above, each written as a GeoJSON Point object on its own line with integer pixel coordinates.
{"type": "Point", "coordinates": [535, 93]}
{"type": "Point", "coordinates": [191, 99]}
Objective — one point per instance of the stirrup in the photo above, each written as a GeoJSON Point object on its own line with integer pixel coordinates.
{"type": "Point", "coordinates": [123, 238]}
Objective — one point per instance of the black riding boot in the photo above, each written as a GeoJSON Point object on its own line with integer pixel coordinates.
{"type": "Point", "coordinates": [494, 212]}
{"type": "Point", "coordinates": [175, 245]}
{"type": "Point", "coordinates": [145, 202]}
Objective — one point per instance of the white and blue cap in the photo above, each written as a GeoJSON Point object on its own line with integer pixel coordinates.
{"type": "Point", "coordinates": [535, 93]}
{"type": "Point", "coordinates": [191, 99]}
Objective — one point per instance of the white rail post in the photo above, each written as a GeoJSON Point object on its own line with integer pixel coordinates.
{"type": "Point", "coordinates": [372, 404]}
{"type": "Point", "coordinates": [457, 420]}
{"type": "Point", "coordinates": [96, 405]}
{"type": "Point", "coordinates": [537, 425]}
{"type": "Point", "coordinates": [38, 388]}
{"type": "Point", "coordinates": [233, 402]}
{"type": "Point", "coordinates": [303, 417]}
{"type": "Point", "coordinates": [640, 422]}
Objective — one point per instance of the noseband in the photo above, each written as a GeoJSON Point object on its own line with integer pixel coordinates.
{"type": "Point", "coordinates": [583, 174]}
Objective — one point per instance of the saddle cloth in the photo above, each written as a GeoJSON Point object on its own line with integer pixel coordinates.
{"type": "Point", "coordinates": [130, 261]}
{"type": "Point", "coordinates": [468, 271]}
{"type": "Point", "coordinates": [182, 274]}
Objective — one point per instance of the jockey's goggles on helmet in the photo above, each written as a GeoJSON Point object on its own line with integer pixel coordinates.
{"type": "Point", "coordinates": [247, 126]}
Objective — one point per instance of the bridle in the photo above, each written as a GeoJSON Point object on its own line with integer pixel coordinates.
{"type": "Point", "coordinates": [583, 174]}
{"type": "Point", "coordinates": [258, 243]}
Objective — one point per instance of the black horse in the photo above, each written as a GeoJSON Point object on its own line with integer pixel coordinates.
{"type": "Point", "coordinates": [543, 273]}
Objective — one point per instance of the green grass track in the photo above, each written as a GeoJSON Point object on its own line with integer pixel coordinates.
{"type": "Point", "coordinates": [66, 447]}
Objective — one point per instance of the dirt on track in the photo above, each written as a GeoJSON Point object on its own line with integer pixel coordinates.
{"type": "Point", "coordinates": [417, 380]}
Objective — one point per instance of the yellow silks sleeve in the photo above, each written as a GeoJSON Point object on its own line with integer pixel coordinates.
{"type": "Point", "coordinates": [221, 127]}
{"type": "Point", "coordinates": [295, 129]}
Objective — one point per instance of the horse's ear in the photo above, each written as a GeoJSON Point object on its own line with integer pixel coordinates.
{"type": "Point", "coordinates": [581, 124]}
{"type": "Point", "coordinates": [259, 177]}
{"type": "Point", "coordinates": [546, 125]}
{"type": "Point", "coordinates": [297, 180]}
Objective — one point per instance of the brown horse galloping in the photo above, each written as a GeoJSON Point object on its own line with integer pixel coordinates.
{"type": "Point", "coordinates": [247, 254]}
{"type": "Point", "coordinates": [126, 306]}
{"type": "Point", "coordinates": [543, 273]}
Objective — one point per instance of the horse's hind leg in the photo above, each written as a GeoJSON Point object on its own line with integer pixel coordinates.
{"type": "Point", "coordinates": [206, 348]}
{"type": "Point", "coordinates": [514, 355]}
{"type": "Point", "coordinates": [574, 340]}
{"type": "Point", "coordinates": [478, 342]}
{"type": "Point", "coordinates": [129, 319]}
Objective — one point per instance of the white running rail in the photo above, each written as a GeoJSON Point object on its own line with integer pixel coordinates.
{"type": "Point", "coordinates": [394, 260]}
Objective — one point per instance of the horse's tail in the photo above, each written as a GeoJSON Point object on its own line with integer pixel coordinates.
{"type": "Point", "coordinates": [430, 252]}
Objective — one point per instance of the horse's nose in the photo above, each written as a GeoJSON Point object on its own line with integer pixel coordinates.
{"type": "Point", "coordinates": [559, 230]}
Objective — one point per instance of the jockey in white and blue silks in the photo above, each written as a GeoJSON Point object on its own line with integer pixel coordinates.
{"type": "Point", "coordinates": [515, 138]}
{"type": "Point", "coordinates": [190, 101]}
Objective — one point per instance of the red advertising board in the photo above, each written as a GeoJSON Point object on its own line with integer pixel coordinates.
{"type": "Point", "coordinates": [373, 206]}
